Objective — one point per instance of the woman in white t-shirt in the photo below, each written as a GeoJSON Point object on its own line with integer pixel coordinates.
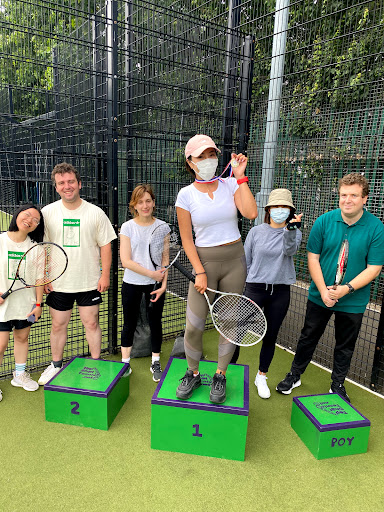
{"type": "Point", "coordinates": [25, 229]}
{"type": "Point", "coordinates": [208, 207]}
{"type": "Point", "coordinates": [140, 276]}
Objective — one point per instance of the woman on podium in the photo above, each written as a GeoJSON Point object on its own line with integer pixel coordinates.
{"type": "Point", "coordinates": [208, 208]}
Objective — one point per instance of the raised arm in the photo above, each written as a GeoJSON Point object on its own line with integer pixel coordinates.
{"type": "Point", "coordinates": [244, 199]}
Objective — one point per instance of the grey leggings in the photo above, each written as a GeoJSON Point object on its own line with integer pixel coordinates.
{"type": "Point", "coordinates": [226, 271]}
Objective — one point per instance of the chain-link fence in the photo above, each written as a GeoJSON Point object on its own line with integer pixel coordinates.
{"type": "Point", "coordinates": [118, 87]}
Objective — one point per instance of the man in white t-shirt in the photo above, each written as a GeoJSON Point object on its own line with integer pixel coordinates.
{"type": "Point", "coordinates": [85, 233]}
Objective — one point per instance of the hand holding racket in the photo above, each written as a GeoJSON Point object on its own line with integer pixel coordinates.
{"type": "Point", "coordinates": [40, 265]}
{"type": "Point", "coordinates": [236, 317]}
{"type": "Point", "coordinates": [341, 263]}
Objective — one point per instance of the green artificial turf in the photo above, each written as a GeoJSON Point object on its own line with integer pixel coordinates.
{"type": "Point", "coordinates": [48, 466]}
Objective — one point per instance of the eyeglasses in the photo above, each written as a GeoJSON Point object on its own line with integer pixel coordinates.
{"type": "Point", "coordinates": [32, 219]}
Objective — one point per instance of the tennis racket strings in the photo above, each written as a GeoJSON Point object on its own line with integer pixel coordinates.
{"type": "Point", "coordinates": [42, 264]}
{"type": "Point", "coordinates": [237, 318]}
{"type": "Point", "coordinates": [164, 246]}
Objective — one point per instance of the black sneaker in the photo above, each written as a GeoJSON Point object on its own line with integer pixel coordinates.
{"type": "Point", "coordinates": [187, 386]}
{"type": "Point", "coordinates": [155, 368]}
{"type": "Point", "coordinates": [340, 390]}
{"type": "Point", "coordinates": [217, 394]}
{"type": "Point", "coordinates": [290, 382]}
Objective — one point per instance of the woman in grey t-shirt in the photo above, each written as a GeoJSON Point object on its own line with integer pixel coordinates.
{"type": "Point", "coordinates": [269, 250]}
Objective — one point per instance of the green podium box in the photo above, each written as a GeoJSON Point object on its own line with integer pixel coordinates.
{"type": "Point", "coordinates": [87, 392]}
{"type": "Point", "coordinates": [196, 425]}
{"type": "Point", "coordinates": [329, 426]}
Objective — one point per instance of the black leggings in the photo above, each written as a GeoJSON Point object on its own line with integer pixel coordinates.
{"type": "Point", "coordinates": [274, 299]}
{"type": "Point", "coordinates": [131, 297]}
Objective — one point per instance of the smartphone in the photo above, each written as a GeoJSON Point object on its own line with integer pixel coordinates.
{"type": "Point", "coordinates": [32, 319]}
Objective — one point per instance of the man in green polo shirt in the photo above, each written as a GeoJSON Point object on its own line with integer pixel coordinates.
{"type": "Point", "coordinates": [365, 234]}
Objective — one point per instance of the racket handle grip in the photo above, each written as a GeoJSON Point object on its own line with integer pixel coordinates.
{"type": "Point", "coordinates": [5, 295]}
{"type": "Point", "coordinates": [184, 271]}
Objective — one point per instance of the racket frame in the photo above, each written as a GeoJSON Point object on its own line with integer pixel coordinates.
{"type": "Point", "coordinates": [343, 257]}
{"type": "Point", "coordinates": [27, 285]}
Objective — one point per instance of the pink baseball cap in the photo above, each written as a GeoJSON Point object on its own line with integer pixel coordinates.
{"type": "Point", "coordinates": [199, 143]}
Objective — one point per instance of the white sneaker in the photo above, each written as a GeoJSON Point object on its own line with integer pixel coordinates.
{"type": "Point", "coordinates": [262, 386]}
{"type": "Point", "coordinates": [24, 381]}
{"type": "Point", "coordinates": [1, 395]}
{"type": "Point", "coordinates": [47, 374]}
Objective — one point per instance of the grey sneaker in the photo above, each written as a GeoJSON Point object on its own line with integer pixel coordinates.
{"type": "Point", "coordinates": [218, 387]}
{"type": "Point", "coordinates": [187, 386]}
{"type": "Point", "coordinates": [128, 371]}
{"type": "Point", "coordinates": [24, 381]}
{"type": "Point", "coordinates": [155, 368]}
{"type": "Point", "coordinates": [47, 374]}
{"type": "Point", "coordinates": [290, 382]}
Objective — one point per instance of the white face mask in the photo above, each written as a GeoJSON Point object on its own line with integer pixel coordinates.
{"type": "Point", "coordinates": [279, 215]}
{"type": "Point", "coordinates": [207, 168]}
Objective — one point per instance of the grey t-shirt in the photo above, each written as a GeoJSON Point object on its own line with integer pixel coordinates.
{"type": "Point", "coordinates": [269, 253]}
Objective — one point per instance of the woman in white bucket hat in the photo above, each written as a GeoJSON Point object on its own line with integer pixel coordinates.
{"type": "Point", "coordinates": [269, 250]}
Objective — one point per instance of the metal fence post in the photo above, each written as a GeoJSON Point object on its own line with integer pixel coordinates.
{"type": "Point", "coordinates": [231, 63]}
{"type": "Point", "coordinates": [112, 163]}
{"type": "Point", "coordinates": [245, 93]}
{"type": "Point", "coordinates": [274, 101]}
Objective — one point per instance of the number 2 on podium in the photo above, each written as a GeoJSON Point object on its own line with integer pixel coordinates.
{"type": "Point", "coordinates": [75, 409]}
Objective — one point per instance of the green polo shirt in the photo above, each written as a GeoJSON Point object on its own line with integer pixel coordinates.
{"type": "Point", "coordinates": [366, 247]}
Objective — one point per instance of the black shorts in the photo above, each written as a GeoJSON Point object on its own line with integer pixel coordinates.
{"type": "Point", "coordinates": [14, 324]}
{"type": "Point", "coordinates": [64, 301]}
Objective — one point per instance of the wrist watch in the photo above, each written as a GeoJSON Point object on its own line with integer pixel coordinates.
{"type": "Point", "coordinates": [351, 288]}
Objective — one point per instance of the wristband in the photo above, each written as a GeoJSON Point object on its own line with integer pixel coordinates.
{"type": "Point", "coordinates": [200, 273]}
{"type": "Point", "coordinates": [242, 180]}
{"type": "Point", "coordinates": [291, 226]}
{"type": "Point", "coordinates": [350, 288]}
{"type": "Point", "coordinates": [37, 305]}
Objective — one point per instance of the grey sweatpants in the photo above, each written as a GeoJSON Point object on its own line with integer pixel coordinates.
{"type": "Point", "coordinates": [226, 271]}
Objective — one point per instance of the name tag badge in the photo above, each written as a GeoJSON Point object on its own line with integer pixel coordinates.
{"type": "Point", "coordinates": [13, 262]}
{"type": "Point", "coordinates": [71, 232]}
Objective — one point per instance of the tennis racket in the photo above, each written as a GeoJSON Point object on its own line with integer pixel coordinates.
{"type": "Point", "coordinates": [164, 247]}
{"type": "Point", "coordinates": [342, 261]}
{"type": "Point", "coordinates": [40, 265]}
{"type": "Point", "coordinates": [236, 317]}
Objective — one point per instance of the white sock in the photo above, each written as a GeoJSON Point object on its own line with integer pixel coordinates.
{"type": "Point", "coordinates": [125, 359]}
{"type": "Point", "coordinates": [155, 358]}
{"type": "Point", "coordinates": [19, 368]}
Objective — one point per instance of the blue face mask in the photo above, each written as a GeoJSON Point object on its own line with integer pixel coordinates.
{"type": "Point", "coordinates": [279, 215]}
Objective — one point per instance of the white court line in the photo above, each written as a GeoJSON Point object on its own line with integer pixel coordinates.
{"type": "Point", "coordinates": [175, 295]}
{"type": "Point", "coordinates": [330, 371]}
